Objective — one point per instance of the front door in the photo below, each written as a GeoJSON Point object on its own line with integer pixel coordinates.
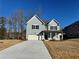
{"type": "Point", "coordinates": [46, 36]}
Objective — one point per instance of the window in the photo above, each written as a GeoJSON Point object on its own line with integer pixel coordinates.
{"type": "Point", "coordinates": [35, 26]}
{"type": "Point", "coordinates": [53, 28]}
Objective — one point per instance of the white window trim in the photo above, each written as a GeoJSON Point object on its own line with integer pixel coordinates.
{"type": "Point", "coordinates": [35, 25]}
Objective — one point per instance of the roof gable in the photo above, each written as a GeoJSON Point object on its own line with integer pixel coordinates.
{"type": "Point", "coordinates": [54, 21]}
{"type": "Point", "coordinates": [35, 16]}
{"type": "Point", "coordinates": [44, 21]}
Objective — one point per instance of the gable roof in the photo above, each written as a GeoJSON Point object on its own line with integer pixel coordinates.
{"type": "Point", "coordinates": [55, 21]}
{"type": "Point", "coordinates": [40, 19]}
{"type": "Point", "coordinates": [37, 18]}
{"type": "Point", "coordinates": [46, 21]}
{"type": "Point", "coordinates": [43, 21]}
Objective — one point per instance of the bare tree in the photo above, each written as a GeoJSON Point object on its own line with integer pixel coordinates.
{"type": "Point", "coordinates": [14, 22]}
{"type": "Point", "coordinates": [19, 16]}
{"type": "Point", "coordinates": [9, 27]}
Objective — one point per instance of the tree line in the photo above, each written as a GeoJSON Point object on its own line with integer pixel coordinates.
{"type": "Point", "coordinates": [14, 27]}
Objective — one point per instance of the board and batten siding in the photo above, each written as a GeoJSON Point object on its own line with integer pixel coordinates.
{"type": "Point", "coordinates": [34, 20]}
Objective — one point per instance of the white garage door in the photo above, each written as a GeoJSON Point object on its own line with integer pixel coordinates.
{"type": "Point", "coordinates": [32, 37]}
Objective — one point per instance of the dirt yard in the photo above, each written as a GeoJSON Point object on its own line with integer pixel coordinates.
{"type": "Point", "coordinates": [68, 49]}
{"type": "Point", "coordinates": [7, 43]}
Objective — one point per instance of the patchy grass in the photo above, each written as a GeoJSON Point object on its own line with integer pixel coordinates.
{"type": "Point", "coordinates": [7, 43]}
{"type": "Point", "coordinates": [68, 49]}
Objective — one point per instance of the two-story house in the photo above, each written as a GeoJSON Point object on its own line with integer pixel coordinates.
{"type": "Point", "coordinates": [38, 29]}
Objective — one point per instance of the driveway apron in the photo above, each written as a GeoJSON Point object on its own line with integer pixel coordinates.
{"type": "Point", "coordinates": [26, 50]}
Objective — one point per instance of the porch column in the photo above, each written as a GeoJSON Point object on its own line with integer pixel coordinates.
{"type": "Point", "coordinates": [56, 36]}
{"type": "Point", "coordinates": [62, 36]}
{"type": "Point", "coordinates": [50, 36]}
{"type": "Point", "coordinates": [43, 36]}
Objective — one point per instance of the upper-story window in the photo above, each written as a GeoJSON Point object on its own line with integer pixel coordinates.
{"type": "Point", "coordinates": [35, 26]}
{"type": "Point", "coordinates": [53, 28]}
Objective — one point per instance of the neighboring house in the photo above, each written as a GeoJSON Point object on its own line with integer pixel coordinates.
{"type": "Point", "coordinates": [72, 30]}
{"type": "Point", "coordinates": [38, 29]}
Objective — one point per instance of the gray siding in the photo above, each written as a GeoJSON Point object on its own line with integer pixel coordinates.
{"type": "Point", "coordinates": [32, 21]}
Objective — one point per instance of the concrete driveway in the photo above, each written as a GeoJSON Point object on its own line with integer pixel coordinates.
{"type": "Point", "coordinates": [26, 50]}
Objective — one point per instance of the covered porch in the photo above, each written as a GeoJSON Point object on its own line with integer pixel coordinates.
{"type": "Point", "coordinates": [50, 35]}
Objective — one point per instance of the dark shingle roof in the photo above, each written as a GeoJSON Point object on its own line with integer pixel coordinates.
{"type": "Point", "coordinates": [43, 21]}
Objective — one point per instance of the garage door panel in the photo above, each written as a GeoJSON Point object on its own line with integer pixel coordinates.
{"type": "Point", "coordinates": [32, 37]}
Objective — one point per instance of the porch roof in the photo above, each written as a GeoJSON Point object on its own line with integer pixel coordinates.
{"type": "Point", "coordinates": [52, 31]}
{"type": "Point", "coordinates": [49, 31]}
